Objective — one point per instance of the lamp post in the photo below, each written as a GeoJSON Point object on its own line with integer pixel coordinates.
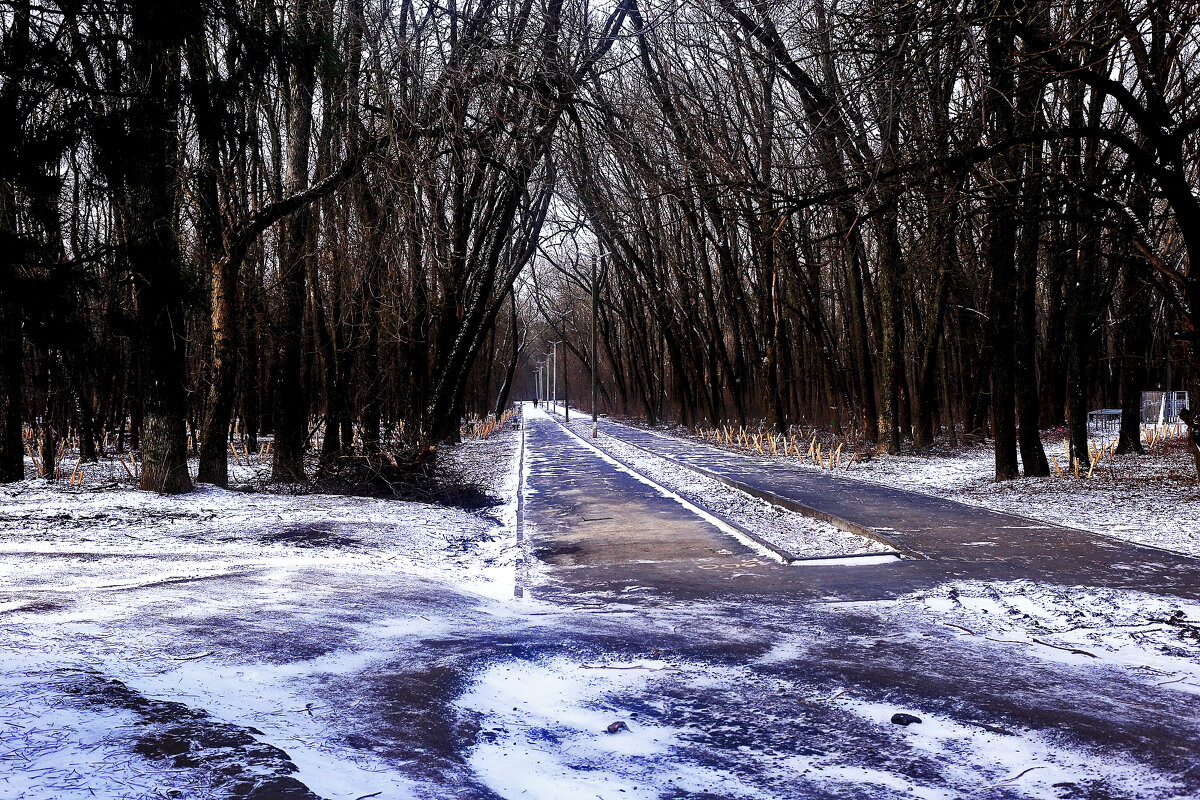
{"type": "Point", "coordinates": [554, 373]}
{"type": "Point", "coordinates": [595, 265]}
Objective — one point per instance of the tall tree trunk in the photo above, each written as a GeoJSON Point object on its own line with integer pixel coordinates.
{"type": "Point", "coordinates": [1136, 304]}
{"type": "Point", "coordinates": [891, 374]}
{"type": "Point", "coordinates": [12, 457]}
{"type": "Point", "coordinates": [223, 277]}
{"type": "Point", "coordinates": [510, 369]}
{"type": "Point", "coordinates": [296, 232]}
{"type": "Point", "coordinates": [1029, 411]}
{"type": "Point", "coordinates": [214, 458]}
{"type": "Point", "coordinates": [152, 245]}
{"type": "Point", "coordinates": [927, 373]}
{"type": "Point", "coordinates": [1000, 253]}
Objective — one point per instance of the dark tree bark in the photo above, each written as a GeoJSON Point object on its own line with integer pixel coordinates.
{"type": "Point", "coordinates": [296, 232]}
{"type": "Point", "coordinates": [1135, 310]}
{"type": "Point", "coordinates": [12, 456]}
{"type": "Point", "coordinates": [510, 369]}
{"type": "Point", "coordinates": [1029, 412]}
{"type": "Point", "coordinates": [999, 253]}
{"type": "Point", "coordinates": [148, 212]}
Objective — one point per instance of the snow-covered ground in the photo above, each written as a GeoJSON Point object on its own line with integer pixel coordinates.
{"type": "Point", "coordinates": [236, 607]}
{"type": "Point", "coordinates": [763, 728]}
{"type": "Point", "coordinates": [1155, 637]}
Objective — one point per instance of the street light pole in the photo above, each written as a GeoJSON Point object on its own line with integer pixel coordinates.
{"type": "Point", "coordinates": [554, 368]}
{"type": "Point", "coordinates": [595, 259]}
{"type": "Point", "coordinates": [595, 290]}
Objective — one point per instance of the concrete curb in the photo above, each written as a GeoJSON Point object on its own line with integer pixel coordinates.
{"type": "Point", "coordinates": [519, 523]}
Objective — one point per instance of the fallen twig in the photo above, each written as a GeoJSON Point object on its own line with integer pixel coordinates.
{"type": "Point", "coordinates": [1074, 650]}
{"type": "Point", "coordinates": [1176, 680]}
{"type": "Point", "coordinates": [614, 666]}
{"type": "Point", "coordinates": [1013, 778]}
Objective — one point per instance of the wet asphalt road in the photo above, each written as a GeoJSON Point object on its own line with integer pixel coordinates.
{"type": "Point", "coordinates": [964, 541]}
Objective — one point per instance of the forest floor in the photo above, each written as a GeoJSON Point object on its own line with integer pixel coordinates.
{"type": "Point", "coordinates": [287, 646]}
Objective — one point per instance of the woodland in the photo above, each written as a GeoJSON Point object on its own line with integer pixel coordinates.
{"type": "Point", "coordinates": [903, 221]}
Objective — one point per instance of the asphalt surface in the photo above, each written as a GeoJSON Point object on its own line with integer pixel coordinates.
{"type": "Point", "coordinates": [962, 541]}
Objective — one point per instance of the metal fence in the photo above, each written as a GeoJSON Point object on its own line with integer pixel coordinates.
{"type": "Point", "coordinates": [1158, 408]}
{"type": "Point", "coordinates": [1106, 421]}
{"type": "Point", "coordinates": [1162, 408]}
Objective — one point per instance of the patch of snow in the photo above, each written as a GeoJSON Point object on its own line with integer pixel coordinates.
{"type": "Point", "coordinates": [1029, 764]}
{"type": "Point", "coordinates": [240, 606]}
{"type": "Point", "coordinates": [848, 561]}
{"type": "Point", "coordinates": [1155, 638]}
{"type": "Point", "coordinates": [544, 735]}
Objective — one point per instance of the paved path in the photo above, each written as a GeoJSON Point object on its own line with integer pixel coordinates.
{"type": "Point", "coordinates": [964, 540]}
{"type": "Point", "coordinates": [602, 527]}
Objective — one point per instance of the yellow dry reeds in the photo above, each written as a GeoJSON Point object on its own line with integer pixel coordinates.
{"type": "Point", "coordinates": [131, 467]}
{"type": "Point", "coordinates": [1057, 468]}
{"type": "Point", "coordinates": [37, 463]}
